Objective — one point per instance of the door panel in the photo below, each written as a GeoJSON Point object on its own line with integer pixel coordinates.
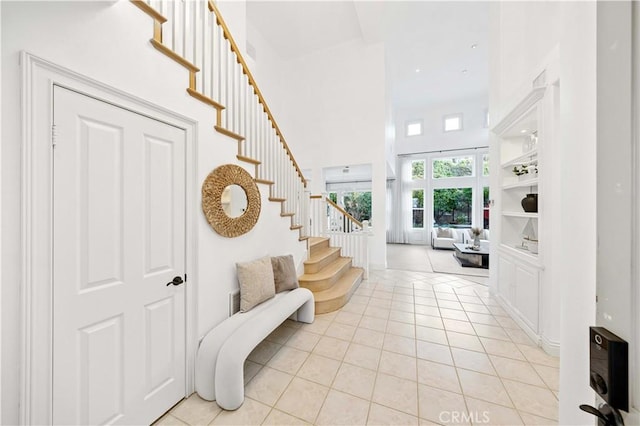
{"type": "Point", "coordinates": [119, 238]}
{"type": "Point", "coordinates": [159, 232]}
{"type": "Point", "coordinates": [102, 375]}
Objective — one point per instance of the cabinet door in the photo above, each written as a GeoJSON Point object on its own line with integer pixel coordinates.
{"type": "Point", "coordinates": [526, 295]}
{"type": "Point", "coordinates": [506, 277]}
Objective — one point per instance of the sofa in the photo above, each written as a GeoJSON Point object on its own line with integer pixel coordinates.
{"type": "Point", "coordinates": [444, 238]}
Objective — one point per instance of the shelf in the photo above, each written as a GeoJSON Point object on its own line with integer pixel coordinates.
{"type": "Point", "coordinates": [522, 254]}
{"type": "Point", "coordinates": [526, 157]}
{"type": "Point", "coordinates": [521, 214]}
{"type": "Point", "coordinates": [521, 184]}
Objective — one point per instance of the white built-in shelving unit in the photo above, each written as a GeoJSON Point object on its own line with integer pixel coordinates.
{"type": "Point", "coordinates": [521, 137]}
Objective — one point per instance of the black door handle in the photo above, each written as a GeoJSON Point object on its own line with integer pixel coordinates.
{"type": "Point", "coordinates": [176, 281]}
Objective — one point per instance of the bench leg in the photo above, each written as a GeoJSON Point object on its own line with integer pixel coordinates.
{"type": "Point", "coordinates": [307, 311]}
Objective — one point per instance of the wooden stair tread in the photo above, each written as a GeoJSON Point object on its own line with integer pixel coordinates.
{"type": "Point", "coordinates": [314, 241]}
{"type": "Point", "coordinates": [342, 289]}
{"type": "Point", "coordinates": [321, 254]}
{"type": "Point", "coordinates": [248, 159]}
{"type": "Point", "coordinates": [229, 133]}
{"type": "Point", "coordinates": [327, 272]}
{"type": "Point", "coordinates": [205, 99]}
{"type": "Point", "coordinates": [266, 182]}
{"type": "Point", "coordinates": [294, 227]}
{"type": "Point", "coordinates": [173, 55]}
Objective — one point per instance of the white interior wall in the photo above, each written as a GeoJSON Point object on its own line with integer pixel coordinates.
{"type": "Point", "coordinates": [330, 105]}
{"type": "Point", "coordinates": [522, 36]}
{"type": "Point", "coordinates": [336, 116]}
{"type": "Point", "coordinates": [433, 138]}
{"type": "Point", "coordinates": [109, 42]}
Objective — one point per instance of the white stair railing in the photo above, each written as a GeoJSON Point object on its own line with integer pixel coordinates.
{"type": "Point", "coordinates": [330, 220]}
{"type": "Point", "coordinates": [194, 34]}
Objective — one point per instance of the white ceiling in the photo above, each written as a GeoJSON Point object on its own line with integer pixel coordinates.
{"type": "Point", "coordinates": [435, 37]}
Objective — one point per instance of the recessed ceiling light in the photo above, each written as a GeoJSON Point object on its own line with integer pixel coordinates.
{"type": "Point", "coordinates": [464, 71]}
{"type": "Point", "coordinates": [417, 69]}
{"type": "Point", "coordinates": [523, 131]}
{"type": "Point", "coordinates": [474, 46]}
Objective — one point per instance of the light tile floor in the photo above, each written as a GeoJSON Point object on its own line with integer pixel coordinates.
{"type": "Point", "coordinates": [412, 348]}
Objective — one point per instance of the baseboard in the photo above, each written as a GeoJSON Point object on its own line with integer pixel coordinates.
{"type": "Point", "coordinates": [552, 348]}
{"type": "Point", "coordinates": [515, 315]}
{"type": "Point", "coordinates": [377, 266]}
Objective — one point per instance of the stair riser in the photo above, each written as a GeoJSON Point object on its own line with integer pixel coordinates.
{"type": "Point", "coordinates": [315, 267]}
{"type": "Point", "coordinates": [331, 305]}
{"type": "Point", "coordinates": [328, 282]}
{"type": "Point", "coordinates": [318, 247]}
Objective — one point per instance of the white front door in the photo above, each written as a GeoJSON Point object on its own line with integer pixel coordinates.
{"type": "Point", "coordinates": [119, 238]}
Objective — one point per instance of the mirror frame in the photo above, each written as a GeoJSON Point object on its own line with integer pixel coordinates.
{"type": "Point", "coordinates": [212, 187]}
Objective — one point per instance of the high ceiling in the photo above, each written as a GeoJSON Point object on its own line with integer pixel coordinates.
{"type": "Point", "coordinates": [435, 38]}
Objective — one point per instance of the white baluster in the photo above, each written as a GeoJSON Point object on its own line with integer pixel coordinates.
{"type": "Point", "coordinates": [204, 60]}
{"type": "Point", "coordinates": [220, 66]}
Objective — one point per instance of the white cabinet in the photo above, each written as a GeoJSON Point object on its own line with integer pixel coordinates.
{"type": "Point", "coordinates": [526, 295]}
{"type": "Point", "coordinates": [518, 288]}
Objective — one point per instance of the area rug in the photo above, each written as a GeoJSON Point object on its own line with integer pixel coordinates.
{"type": "Point", "coordinates": [408, 258]}
{"type": "Point", "coordinates": [444, 262]}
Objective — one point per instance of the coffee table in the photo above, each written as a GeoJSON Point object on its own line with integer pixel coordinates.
{"type": "Point", "coordinates": [471, 258]}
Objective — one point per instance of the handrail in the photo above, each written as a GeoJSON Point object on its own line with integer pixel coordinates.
{"type": "Point", "coordinates": [341, 210]}
{"type": "Point", "coordinates": [234, 47]}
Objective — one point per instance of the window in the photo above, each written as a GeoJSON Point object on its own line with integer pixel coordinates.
{"type": "Point", "coordinates": [452, 122]}
{"type": "Point", "coordinates": [358, 205]}
{"type": "Point", "coordinates": [485, 165]}
{"type": "Point", "coordinates": [452, 206]}
{"type": "Point", "coordinates": [417, 199]}
{"type": "Point", "coordinates": [453, 167]}
{"type": "Point", "coordinates": [485, 207]}
{"type": "Point", "coordinates": [417, 169]}
{"type": "Point", "coordinates": [414, 128]}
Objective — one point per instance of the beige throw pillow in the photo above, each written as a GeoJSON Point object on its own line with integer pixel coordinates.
{"type": "Point", "coordinates": [256, 282]}
{"type": "Point", "coordinates": [284, 273]}
{"type": "Point", "coordinates": [444, 233]}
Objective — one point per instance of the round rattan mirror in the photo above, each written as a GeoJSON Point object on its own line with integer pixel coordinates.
{"type": "Point", "coordinates": [215, 193]}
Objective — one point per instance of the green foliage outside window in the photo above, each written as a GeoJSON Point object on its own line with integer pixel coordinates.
{"type": "Point", "coordinates": [417, 200]}
{"type": "Point", "coordinates": [452, 167]}
{"type": "Point", "coordinates": [452, 206]}
{"type": "Point", "coordinates": [358, 205]}
{"type": "Point", "coordinates": [417, 169]}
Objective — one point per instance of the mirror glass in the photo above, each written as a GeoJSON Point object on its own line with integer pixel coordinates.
{"type": "Point", "coordinates": [234, 201]}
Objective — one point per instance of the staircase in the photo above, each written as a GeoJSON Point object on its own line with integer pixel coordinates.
{"type": "Point", "coordinates": [330, 276]}
{"type": "Point", "coordinates": [194, 35]}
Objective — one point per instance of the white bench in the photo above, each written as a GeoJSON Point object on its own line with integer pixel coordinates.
{"type": "Point", "coordinates": [223, 350]}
